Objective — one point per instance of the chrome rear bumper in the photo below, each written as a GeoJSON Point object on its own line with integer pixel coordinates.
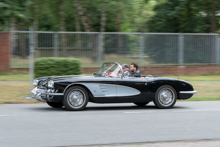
{"type": "Point", "coordinates": [188, 92]}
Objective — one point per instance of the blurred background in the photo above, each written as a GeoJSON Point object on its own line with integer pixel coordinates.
{"type": "Point", "coordinates": [165, 38]}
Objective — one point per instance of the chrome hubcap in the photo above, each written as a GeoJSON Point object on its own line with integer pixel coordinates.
{"type": "Point", "coordinates": [76, 98]}
{"type": "Point", "coordinates": [166, 97]}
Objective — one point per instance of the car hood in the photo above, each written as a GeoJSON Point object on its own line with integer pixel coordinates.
{"type": "Point", "coordinates": [58, 78]}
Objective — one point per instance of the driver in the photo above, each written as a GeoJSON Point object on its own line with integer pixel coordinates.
{"type": "Point", "coordinates": [134, 72]}
{"type": "Point", "coordinates": [125, 69]}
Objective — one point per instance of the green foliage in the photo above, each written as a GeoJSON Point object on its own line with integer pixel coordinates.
{"type": "Point", "coordinates": [183, 16]}
{"type": "Point", "coordinates": [56, 67]}
{"type": "Point", "coordinates": [190, 16]}
{"type": "Point", "coordinates": [132, 14]}
{"type": "Point", "coordinates": [14, 8]}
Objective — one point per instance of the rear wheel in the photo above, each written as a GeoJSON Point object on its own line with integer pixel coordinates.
{"type": "Point", "coordinates": [165, 97]}
{"type": "Point", "coordinates": [55, 105]}
{"type": "Point", "coordinates": [75, 98]}
{"type": "Point", "coordinates": [141, 104]}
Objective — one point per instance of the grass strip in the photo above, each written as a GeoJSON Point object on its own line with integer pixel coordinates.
{"type": "Point", "coordinates": [15, 77]}
{"type": "Point", "coordinates": [14, 92]}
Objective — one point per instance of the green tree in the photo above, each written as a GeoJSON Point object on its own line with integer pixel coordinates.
{"type": "Point", "coordinates": [184, 16]}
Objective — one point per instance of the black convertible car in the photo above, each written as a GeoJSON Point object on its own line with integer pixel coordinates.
{"type": "Point", "coordinates": [109, 85]}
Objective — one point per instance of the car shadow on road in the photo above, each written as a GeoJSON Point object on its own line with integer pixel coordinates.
{"type": "Point", "coordinates": [102, 107]}
{"type": "Point", "coordinates": [107, 108]}
{"type": "Point", "coordinates": [46, 108]}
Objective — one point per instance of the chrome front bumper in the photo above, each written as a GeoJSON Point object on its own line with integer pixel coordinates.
{"type": "Point", "coordinates": [43, 95]}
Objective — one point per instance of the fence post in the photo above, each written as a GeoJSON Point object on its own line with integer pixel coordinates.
{"type": "Point", "coordinates": [217, 50]}
{"type": "Point", "coordinates": [55, 45]}
{"type": "Point", "coordinates": [100, 41]}
{"type": "Point", "coordinates": [141, 49]}
{"type": "Point", "coordinates": [31, 56]}
{"type": "Point", "coordinates": [181, 47]}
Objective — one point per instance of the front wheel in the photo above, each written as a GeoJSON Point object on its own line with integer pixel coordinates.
{"type": "Point", "coordinates": [141, 104]}
{"type": "Point", "coordinates": [55, 105]}
{"type": "Point", "coordinates": [75, 98]}
{"type": "Point", "coordinates": [165, 97]}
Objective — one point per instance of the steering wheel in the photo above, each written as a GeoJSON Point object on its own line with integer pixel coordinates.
{"type": "Point", "coordinates": [104, 74]}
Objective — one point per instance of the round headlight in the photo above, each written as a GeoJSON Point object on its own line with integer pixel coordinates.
{"type": "Point", "coordinates": [50, 84]}
{"type": "Point", "coordinates": [35, 83]}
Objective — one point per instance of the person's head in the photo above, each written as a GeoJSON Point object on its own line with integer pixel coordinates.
{"type": "Point", "coordinates": [125, 67]}
{"type": "Point", "coordinates": [133, 67]}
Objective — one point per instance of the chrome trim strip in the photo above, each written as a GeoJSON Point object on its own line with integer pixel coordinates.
{"type": "Point", "coordinates": [188, 92]}
{"type": "Point", "coordinates": [54, 93]}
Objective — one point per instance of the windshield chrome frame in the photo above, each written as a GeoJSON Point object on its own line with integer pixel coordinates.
{"type": "Point", "coordinates": [121, 76]}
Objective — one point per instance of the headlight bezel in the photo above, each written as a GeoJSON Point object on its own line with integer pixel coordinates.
{"type": "Point", "coordinates": [50, 84]}
{"type": "Point", "coordinates": [35, 82]}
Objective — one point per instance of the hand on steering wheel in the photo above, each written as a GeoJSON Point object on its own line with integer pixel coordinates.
{"type": "Point", "coordinates": [104, 73]}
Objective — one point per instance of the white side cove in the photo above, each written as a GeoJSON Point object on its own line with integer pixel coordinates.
{"type": "Point", "coordinates": [126, 91]}
{"type": "Point", "coordinates": [110, 90]}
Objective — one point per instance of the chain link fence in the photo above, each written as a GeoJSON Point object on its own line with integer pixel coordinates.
{"type": "Point", "coordinates": [94, 48]}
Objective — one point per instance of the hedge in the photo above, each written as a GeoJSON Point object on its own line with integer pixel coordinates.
{"type": "Point", "coordinates": [56, 67]}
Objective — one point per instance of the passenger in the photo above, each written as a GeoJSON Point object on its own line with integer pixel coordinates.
{"type": "Point", "coordinates": [134, 72]}
{"type": "Point", "coordinates": [125, 69]}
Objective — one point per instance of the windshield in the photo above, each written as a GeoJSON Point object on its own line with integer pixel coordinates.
{"type": "Point", "coordinates": [109, 69]}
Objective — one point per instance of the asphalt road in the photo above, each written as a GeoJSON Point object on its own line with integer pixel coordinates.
{"type": "Point", "coordinates": [39, 125]}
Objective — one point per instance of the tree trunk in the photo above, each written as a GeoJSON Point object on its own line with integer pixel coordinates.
{"type": "Point", "coordinates": [208, 6]}
{"type": "Point", "coordinates": [213, 29]}
{"type": "Point", "coordinates": [61, 13]}
{"type": "Point", "coordinates": [62, 29]}
{"type": "Point", "coordinates": [12, 37]}
{"type": "Point", "coordinates": [118, 28]}
{"type": "Point", "coordinates": [22, 41]}
{"type": "Point", "coordinates": [85, 20]}
{"type": "Point", "coordinates": [36, 23]}
{"type": "Point", "coordinates": [77, 23]}
{"type": "Point", "coordinates": [77, 29]}
{"type": "Point", "coordinates": [88, 27]}
{"type": "Point", "coordinates": [118, 17]}
{"type": "Point", "coordinates": [103, 17]}
{"type": "Point", "coordinates": [13, 23]}
{"type": "Point", "coordinates": [102, 29]}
